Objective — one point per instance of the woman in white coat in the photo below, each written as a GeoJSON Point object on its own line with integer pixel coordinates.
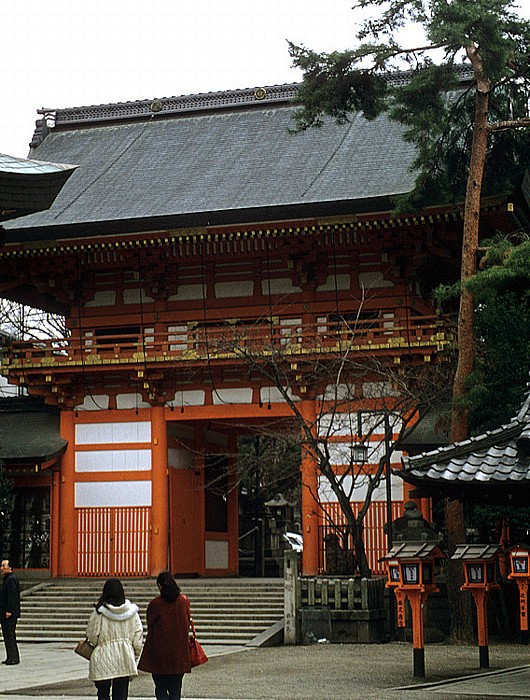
{"type": "Point", "coordinates": [116, 632]}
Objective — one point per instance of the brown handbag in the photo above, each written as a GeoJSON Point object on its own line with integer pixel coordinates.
{"type": "Point", "coordinates": [84, 649]}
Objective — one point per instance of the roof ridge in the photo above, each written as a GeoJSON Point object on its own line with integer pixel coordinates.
{"type": "Point", "coordinates": [170, 105]}
{"type": "Point", "coordinates": [182, 104]}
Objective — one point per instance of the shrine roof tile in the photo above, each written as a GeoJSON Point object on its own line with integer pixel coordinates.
{"type": "Point", "coordinates": [29, 433]}
{"type": "Point", "coordinates": [496, 457]}
{"type": "Point", "coordinates": [208, 164]}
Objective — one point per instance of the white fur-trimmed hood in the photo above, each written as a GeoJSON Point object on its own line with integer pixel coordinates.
{"type": "Point", "coordinates": [118, 612]}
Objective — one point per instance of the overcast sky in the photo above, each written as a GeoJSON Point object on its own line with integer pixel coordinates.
{"type": "Point", "coordinates": [67, 53]}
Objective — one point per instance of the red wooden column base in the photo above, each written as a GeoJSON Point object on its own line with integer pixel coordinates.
{"type": "Point", "coordinates": [480, 595]}
{"type": "Point", "coordinates": [417, 602]}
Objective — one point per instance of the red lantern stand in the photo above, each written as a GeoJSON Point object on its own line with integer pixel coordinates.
{"type": "Point", "coordinates": [520, 572]}
{"type": "Point", "coordinates": [411, 575]}
{"type": "Point", "coordinates": [480, 571]}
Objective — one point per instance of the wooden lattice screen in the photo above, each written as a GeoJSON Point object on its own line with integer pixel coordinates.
{"type": "Point", "coordinates": [113, 541]}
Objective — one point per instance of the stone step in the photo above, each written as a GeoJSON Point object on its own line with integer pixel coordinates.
{"type": "Point", "coordinates": [225, 611]}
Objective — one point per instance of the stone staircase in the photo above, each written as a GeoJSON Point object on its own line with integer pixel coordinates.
{"type": "Point", "coordinates": [226, 611]}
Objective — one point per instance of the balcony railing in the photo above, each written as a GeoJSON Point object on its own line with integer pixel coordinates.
{"type": "Point", "coordinates": [195, 341]}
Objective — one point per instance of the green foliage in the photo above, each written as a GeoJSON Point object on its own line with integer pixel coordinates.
{"type": "Point", "coordinates": [436, 106]}
{"type": "Point", "coordinates": [330, 79]}
{"type": "Point", "coordinates": [502, 330]}
{"type": "Point", "coordinates": [488, 520]}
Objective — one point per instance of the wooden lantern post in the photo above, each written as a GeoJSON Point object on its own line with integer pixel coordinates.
{"type": "Point", "coordinates": [480, 571]}
{"type": "Point", "coordinates": [411, 575]}
{"type": "Point", "coordinates": [520, 572]}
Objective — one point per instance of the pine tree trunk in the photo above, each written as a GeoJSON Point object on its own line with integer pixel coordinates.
{"type": "Point", "coordinates": [460, 605]}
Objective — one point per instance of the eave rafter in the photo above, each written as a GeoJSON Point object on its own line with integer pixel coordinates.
{"type": "Point", "coordinates": [190, 236]}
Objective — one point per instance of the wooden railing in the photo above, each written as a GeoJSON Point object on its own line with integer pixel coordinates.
{"type": "Point", "coordinates": [194, 342]}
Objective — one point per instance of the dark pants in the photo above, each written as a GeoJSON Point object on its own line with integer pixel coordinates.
{"type": "Point", "coordinates": [10, 639]}
{"type": "Point", "coordinates": [168, 687]}
{"type": "Point", "coordinates": [120, 688]}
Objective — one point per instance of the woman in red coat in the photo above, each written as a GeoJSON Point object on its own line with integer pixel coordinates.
{"type": "Point", "coordinates": [166, 652]}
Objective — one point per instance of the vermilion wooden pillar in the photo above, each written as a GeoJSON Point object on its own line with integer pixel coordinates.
{"type": "Point", "coordinates": [55, 523]}
{"type": "Point", "coordinates": [67, 559]}
{"type": "Point", "coordinates": [160, 492]}
{"type": "Point", "coordinates": [309, 472]}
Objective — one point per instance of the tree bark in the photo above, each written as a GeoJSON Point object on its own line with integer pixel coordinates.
{"type": "Point", "coordinates": [461, 606]}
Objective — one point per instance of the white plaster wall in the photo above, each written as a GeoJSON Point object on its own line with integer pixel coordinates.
{"type": "Point", "coordinates": [225, 290]}
{"type": "Point", "coordinates": [341, 282]}
{"type": "Point", "coordinates": [273, 395]}
{"type": "Point", "coordinates": [373, 280]}
{"type": "Point", "coordinates": [109, 433]}
{"type": "Point", "coordinates": [279, 285]}
{"type": "Point", "coordinates": [337, 424]}
{"type": "Point", "coordinates": [377, 390]}
{"type": "Point", "coordinates": [112, 460]}
{"type": "Point", "coordinates": [216, 554]}
{"type": "Point", "coordinates": [340, 453]}
{"type": "Point", "coordinates": [132, 296]}
{"type": "Point", "coordinates": [338, 392]}
{"type": "Point", "coordinates": [112, 494]}
{"type": "Point", "coordinates": [188, 398]}
{"type": "Point", "coordinates": [326, 495]}
{"type": "Point", "coordinates": [103, 298]}
{"type": "Point", "coordinates": [130, 401]}
{"type": "Point", "coordinates": [187, 292]}
{"type": "Point", "coordinates": [178, 337]}
{"type": "Point", "coordinates": [94, 402]}
{"type": "Point", "coordinates": [232, 396]}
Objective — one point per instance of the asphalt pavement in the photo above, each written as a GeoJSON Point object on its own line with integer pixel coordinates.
{"type": "Point", "coordinates": [345, 671]}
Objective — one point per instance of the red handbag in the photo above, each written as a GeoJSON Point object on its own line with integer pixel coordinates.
{"type": "Point", "coordinates": [197, 654]}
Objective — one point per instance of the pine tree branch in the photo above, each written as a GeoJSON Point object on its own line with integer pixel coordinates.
{"type": "Point", "coordinates": [523, 123]}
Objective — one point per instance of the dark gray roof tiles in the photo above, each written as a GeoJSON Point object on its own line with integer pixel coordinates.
{"type": "Point", "coordinates": [500, 457]}
{"type": "Point", "coordinates": [31, 437]}
{"type": "Point", "coordinates": [238, 158]}
{"type": "Point", "coordinates": [476, 551]}
{"type": "Point", "coordinates": [414, 550]}
{"type": "Point", "coordinates": [29, 185]}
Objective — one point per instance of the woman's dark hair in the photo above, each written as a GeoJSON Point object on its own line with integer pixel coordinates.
{"type": "Point", "coordinates": [169, 589]}
{"type": "Point", "coordinates": [113, 593]}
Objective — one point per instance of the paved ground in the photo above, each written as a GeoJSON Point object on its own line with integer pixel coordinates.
{"type": "Point", "coordinates": [329, 671]}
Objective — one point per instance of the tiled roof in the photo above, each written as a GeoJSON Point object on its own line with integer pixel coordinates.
{"type": "Point", "coordinates": [192, 161]}
{"type": "Point", "coordinates": [414, 550]}
{"type": "Point", "coordinates": [29, 432]}
{"type": "Point", "coordinates": [475, 551]}
{"type": "Point", "coordinates": [496, 459]}
{"type": "Point", "coordinates": [29, 185]}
